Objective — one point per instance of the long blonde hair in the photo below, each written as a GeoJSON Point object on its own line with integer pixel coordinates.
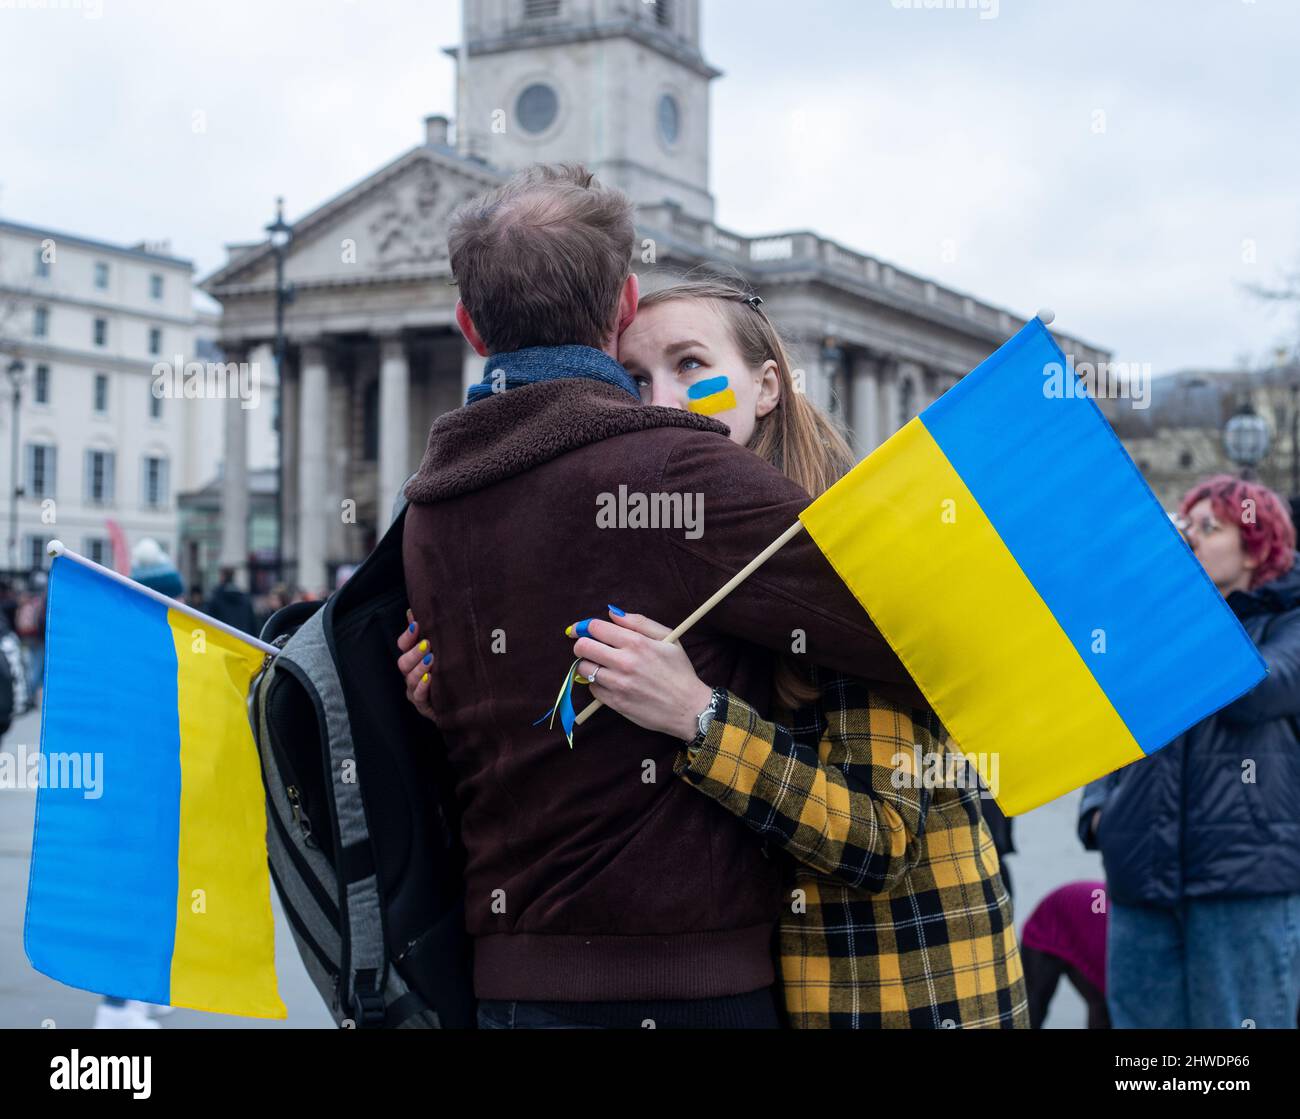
{"type": "Point", "coordinates": [796, 436]}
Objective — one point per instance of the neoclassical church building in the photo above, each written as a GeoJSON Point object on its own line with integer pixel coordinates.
{"type": "Point", "coordinates": [373, 354]}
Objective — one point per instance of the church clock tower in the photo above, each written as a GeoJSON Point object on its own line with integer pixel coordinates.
{"type": "Point", "coordinates": [619, 85]}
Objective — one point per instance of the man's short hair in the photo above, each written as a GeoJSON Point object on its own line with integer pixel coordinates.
{"type": "Point", "coordinates": [541, 260]}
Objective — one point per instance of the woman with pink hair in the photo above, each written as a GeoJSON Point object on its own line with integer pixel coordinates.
{"type": "Point", "coordinates": [1201, 840]}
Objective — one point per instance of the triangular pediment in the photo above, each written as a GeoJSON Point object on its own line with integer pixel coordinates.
{"type": "Point", "coordinates": [392, 223]}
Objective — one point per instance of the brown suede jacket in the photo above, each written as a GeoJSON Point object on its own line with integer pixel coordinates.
{"type": "Point", "coordinates": [593, 874]}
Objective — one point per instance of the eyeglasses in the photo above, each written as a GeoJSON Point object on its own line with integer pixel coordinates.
{"type": "Point", "coordinates": [1202, 526]}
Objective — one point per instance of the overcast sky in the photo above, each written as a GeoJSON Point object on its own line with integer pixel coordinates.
{"type": "Point", "coordinates": [1131, 165]}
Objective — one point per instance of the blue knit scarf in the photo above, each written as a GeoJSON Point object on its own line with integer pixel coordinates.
{"type": "Point", "coordinates": [549, 363]}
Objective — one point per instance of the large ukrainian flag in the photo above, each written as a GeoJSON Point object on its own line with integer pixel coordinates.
{"type": "Point", "coordinates": [157, 889]}
{"type": "Point", "coordinates": [1009, 550]}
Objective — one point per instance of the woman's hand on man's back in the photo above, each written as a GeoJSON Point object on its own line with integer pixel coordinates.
{"type": "Point", "coordinates": [414, 664]}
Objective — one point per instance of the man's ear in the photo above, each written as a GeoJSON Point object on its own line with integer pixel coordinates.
{"type": "Point", "coordinates": [627, 302]}
{"type": "Point", "coordinates": [470, 331]}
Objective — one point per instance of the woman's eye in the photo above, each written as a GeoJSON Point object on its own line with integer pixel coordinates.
{"type": "Point", "coordinates": [690, 364]}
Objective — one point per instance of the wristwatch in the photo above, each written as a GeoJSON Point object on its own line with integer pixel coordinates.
{"type": "Point", "coordinates": [705, 718]}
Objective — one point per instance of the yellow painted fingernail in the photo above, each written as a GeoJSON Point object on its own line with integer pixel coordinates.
{"type": "Point", "coordinates": [424, 679]}
{"type": "Point", "coordinates": [568, 632]}
{"type": "Point", "coordinates": [581, 679]}
{"type": "Point", "coordinates": [424, 645]}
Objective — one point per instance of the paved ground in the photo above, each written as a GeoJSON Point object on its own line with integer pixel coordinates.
{"type": "Point", "coordinates": [1049, 855]}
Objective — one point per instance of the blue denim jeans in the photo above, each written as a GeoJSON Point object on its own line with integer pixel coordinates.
{"type": "Point", "coordinates": [1209, 963]}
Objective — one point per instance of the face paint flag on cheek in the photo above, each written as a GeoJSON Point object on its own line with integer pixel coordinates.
{"type": "Point", "coordinates": [710, 396]}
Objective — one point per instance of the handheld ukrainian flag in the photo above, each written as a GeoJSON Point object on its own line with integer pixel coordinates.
{"type": "Point", "coordinates": [154, 885]}
{"type": "Point", "coordinates": [1009, 550]}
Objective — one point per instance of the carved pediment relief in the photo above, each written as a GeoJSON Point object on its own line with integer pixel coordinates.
{"type": "Point", "coordinates": [410, 226]}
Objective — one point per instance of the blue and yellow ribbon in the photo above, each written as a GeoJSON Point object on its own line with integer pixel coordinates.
{"type": "Point", "coordinates": [564, 706]}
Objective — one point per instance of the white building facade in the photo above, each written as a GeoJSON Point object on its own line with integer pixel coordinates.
{"type": "Point", "coordinates": [83, 324]}
{"type": "Point", "coordinates": [373, 354]}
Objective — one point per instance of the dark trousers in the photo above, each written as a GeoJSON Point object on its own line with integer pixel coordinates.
{"type": "Point", "coordinates": [1043, 972]}
{"type": "Point", "coordinates": [753, 1011]}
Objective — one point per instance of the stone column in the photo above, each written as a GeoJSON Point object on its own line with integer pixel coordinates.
{"type": "Point", "coordinates": [889, 422]}
{"type": "Point", "coordinates": [817, 381]}
{"type": "Point", "coordinates": [394, 423]}
{"type": "Point", "coordinates": [313, 464]}
{"type": "Point", "coordinates": [289, 456]}
{"type": "Point", "coordinates": [912, 400]}
{"type": "Point", "coordinates": [864, 396]}
{"type": "Point", "coordinates": [234, 476]}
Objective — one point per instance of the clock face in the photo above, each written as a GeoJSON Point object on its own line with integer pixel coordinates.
{"type": "Point", "coordinates": [537, 108]}
{"type": "Point", "coordinates": [670, 119]}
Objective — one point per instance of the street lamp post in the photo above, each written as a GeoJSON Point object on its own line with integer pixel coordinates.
{"type": "Point", "coordinates": [1295, 438]}
{"type": "Point", "coordinates": [1246, 439]}
{"type": "Point", "coordinates": [281, 235]}
{"type": "Point", "coordinates": [15, 373]}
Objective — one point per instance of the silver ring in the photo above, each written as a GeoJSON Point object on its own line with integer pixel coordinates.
{"type": "Point", "coordinates": [592, 678]}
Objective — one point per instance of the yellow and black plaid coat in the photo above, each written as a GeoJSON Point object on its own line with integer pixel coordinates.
{"type": "Point", "coordinates": [898, 915]}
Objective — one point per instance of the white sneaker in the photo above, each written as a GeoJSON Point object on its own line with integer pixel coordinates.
{"type": "Point", "coordinates": [156, 1009]}
{"type": "Point", "coordinates": [128, 1017]}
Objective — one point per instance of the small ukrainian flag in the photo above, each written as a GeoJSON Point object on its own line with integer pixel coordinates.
{"type": "Point", "coordinates": [156, 888]}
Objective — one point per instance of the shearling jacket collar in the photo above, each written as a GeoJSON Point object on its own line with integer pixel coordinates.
{"type": "Point", "coordinates": [484, 443]}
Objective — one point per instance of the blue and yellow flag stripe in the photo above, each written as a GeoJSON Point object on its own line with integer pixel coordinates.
{"type": "Point", "coordinates": [711, 396]}
{"type": "Point", "coordinates": [158, 888]}
{"type": "Point", "coordinates": [1011, 553]}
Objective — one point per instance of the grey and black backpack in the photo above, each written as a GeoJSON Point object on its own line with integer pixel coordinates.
{"type": "Point", "coordinates": [362, 834]}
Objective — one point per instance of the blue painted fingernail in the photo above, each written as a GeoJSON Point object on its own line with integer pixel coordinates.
{"type": "Point", "coordinates": [428, 658]}
{"type": "Point", "coordinates": [578, 629]}
{"type": "Point", "coordinates": [411, 628]}
{"type": "Point", "coordinates": [617, 612]}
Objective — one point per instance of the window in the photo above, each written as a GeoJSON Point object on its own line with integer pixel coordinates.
{"type": "Point", "coordinates": [663, 10]}
{"type": "Point", "coordinates": [41, 385]}
{"type": "Point", "coordinates": [155, 340]}
{"type": "Point", "coordinates": [101, 332]}
{"type": "Point", "coordinates": [34, 549]}
{"type": "Point", "coordinates": [98, 550]}
{"type": "Point", "coordinates": [153, 481]}
{"type": "Point", "coordinates": [537, 108]}
{"type": "Point", "coordinates": [101, 393]}
{"type": "Point", "coordinates": [42, 265]}
{"type": "Point", "coordinates": [670, 119]}
{"type": "Point", "coordinates": [155, 286]}
{"type": "Point", "coordinates": [155, 405]}
{"type": "Point", "coordinates": [99, 477]}
{"type": "Point", "coordinates": [541, 9]}
{"type": "Point", "coordinates": [101, 275]}
{"type": "Point", "coordinates": [41, 322]}
{"type": "Point", "coordinates": [41, 470]}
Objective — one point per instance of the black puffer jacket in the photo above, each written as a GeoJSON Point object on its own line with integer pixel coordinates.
{"type": "Point", "coordinates": [1216, 813]}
